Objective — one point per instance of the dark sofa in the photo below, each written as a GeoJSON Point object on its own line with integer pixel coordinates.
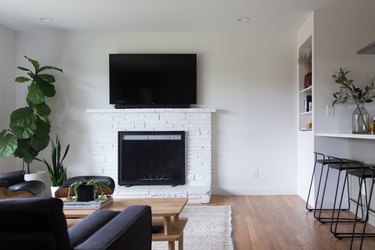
{"type": "Point", "coordinates": [39, 223]}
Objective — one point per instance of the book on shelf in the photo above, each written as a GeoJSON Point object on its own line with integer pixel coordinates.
{"type": "Point", "coordinates": [87, 204]}
{"type": "Point", "coordinates": [307, 102]}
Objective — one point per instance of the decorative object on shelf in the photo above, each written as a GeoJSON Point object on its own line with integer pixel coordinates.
{"type": "Point", "coordinates": [372, 126]}
{"type": "Point", "coordinates": [57, 171]}
{"type": "Point", "coordinates": [309, 125]}
{"type": "Point", "coordinates": [88, 191]}
{"type": "Point", "coordinates": [308, 102]}
{"type": "Point", "coordinates": [360, 121]}
{"type": "Point", "coordinates": [360, 96]}
{"type": "Point", "coordinates": [29, 126]}
{"type": "Point", "coordinates": [306, 59]}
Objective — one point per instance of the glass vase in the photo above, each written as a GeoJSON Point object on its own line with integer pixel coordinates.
{"type": "Point", "coordinates": [360, 121]}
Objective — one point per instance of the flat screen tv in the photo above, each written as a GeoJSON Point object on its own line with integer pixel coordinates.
{"type": "Point", "coordinates": [152, 80]}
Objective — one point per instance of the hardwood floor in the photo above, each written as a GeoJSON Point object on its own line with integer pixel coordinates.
{"type": "Point", "coordinates": [280, 222]}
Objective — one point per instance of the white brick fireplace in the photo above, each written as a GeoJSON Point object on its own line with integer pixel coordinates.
{"type": "Point", "coordinates": [196, 122]}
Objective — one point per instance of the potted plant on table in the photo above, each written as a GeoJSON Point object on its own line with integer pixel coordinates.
{"type": "Point", "coordinates": [348, 91]}
{"type": "Point", "coordinates": [29, 127]}
{"type": "Point", "coordinates": [88, 191]}
{"type": "Point", "coordinates": [56, 170]}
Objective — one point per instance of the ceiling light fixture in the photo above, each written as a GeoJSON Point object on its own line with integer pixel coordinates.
{"type": "Point", "coordinates": [45, 19]}
{"type": "Point", "coordinates": [243, 19]}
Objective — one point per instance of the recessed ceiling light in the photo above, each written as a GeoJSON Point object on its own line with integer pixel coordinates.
{"type": "Point", "coordinates": [45, 19]}
{"type": "Point", "coordinates": [243, 19]}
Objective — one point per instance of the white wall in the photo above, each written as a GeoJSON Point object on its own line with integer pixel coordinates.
{"type": "Point", "coordinates": [353, 26]}
{"type": "Point", "coordinates": [7, 86]}
{"type": "Point", "coordinates": [247, 77]}
{"type": "Point", "coordinates": [341, 30]}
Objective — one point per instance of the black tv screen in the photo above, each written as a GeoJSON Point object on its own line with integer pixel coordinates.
{"type": "Point", "coordinates": [152, 80]}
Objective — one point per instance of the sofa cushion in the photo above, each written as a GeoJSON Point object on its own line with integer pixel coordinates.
{"type": "Point", "coordinates": [44, 216]}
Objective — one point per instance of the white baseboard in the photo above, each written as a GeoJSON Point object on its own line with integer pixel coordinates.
{"type": "Point", "coordinates": [254, 191]}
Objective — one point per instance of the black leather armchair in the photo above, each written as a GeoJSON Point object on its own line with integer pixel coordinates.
{"type": "Point", "coordinates": [15, 182]}
{"type": "Point", "coordinates": [39, 223]}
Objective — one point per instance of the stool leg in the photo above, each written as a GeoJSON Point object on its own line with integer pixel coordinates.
{"type": "Point", "coordinates": [323, 193]}
{"type": "Point", "coordinates": [356, 213]}
{"type": "Point", "coordinates": [367, 211]}
{"type": "Point", "coordinates": [311, 182]}
{"type": "Point", "coordinates": [333, 219]}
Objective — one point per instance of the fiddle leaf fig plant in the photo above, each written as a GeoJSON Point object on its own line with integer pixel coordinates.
{"type": "Point", "coordinates": [29, 126]}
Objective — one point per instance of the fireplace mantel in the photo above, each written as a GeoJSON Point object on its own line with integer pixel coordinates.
{"type": "Point", "coordinates": [196, 122]}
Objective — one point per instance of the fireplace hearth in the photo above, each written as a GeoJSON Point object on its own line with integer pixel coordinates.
{"type": "Point", "coordinates": [151, 158]}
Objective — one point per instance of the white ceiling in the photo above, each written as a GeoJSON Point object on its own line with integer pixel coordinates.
{"type": "Point", "coordinates": [157, 15]}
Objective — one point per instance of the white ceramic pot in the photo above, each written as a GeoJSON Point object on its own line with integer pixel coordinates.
{"type": "Point", "coordinates": [53, 190]}
{"type": "Point", "coordinates": [43, 177]}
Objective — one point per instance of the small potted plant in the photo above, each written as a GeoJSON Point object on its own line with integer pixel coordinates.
{"type": "Point", "coordinates": [348, 91]}
{"type": "Point", "coordinates": [88, 191]}
{"type": "Point", "coordinates": [56, 170]}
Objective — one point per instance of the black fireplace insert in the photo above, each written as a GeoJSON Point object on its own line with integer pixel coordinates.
{"type": "Point", "coordinates": [151, 158]}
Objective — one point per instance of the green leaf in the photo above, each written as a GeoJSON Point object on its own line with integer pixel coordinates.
{"type": "Point", "coordinates": [35, 63]}
{"type": "Point", "coordinates": [25, 151]}
{"type": "Point", "coordinates": [47, 88]}
{"type": "Point", "coordinates": [43, 109]}
{"type": "Point", "coordinates": [8, 143]}
{"type": "Point", "coordinates": [47, 77]}
{"type": "Point", "coordinates": [22, 123]}
{"type": "Point", "coordinates": [43, 128]}
{"type": "Point", "coordinates": [23, 132]}
{"type": "Point", "coordinates": [24, 69]}
{"type": "Point", "coordinates": [39, 143]}
{"type": "Point", "coordinates": [22, 79]}
{"type": "Point", "coordinates": [49, 67]}
{"type": "Point", "coordinates": [22, 117]}
{"type": "Point", "coordinates": [35, 94]}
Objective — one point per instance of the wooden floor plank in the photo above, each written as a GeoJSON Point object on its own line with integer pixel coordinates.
{"type": "Point", "coordinates": [281, 222]}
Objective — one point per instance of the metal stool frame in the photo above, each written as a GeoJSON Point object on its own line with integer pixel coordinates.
{"type": "Point", "coordinates": [362, 235]}
{"type": "Point", "coordinates": [362, 173]}
{"type": "Point", "coordinates": [323, 162]}
{"type": "Point", "coordinates": [340, 164]}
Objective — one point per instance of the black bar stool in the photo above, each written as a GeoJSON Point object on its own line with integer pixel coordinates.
{"type": "Point", "coordinates": [320, 159]}
{"type": "Point", "coordinates": [362, 172]}
{"type": "Point", "coordinates": [340, 165]}
{"type": "Point", "coordinates": [368, 173]}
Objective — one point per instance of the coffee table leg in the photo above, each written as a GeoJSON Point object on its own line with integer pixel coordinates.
{"type": "Point", "coordinates": [181, 242]}
{"type": "Point", "coordinates": [167, 225]}
{"type": "Point", "coordinates": [170, 245]}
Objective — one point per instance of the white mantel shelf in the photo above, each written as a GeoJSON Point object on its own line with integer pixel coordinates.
{"type": "Point", "coordinates": [156, 110]}
{"type": "Point", "coordinates": [348, 136]}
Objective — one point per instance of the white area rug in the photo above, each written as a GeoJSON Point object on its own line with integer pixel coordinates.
{"type": "Point", "coordinates": [208, 228]}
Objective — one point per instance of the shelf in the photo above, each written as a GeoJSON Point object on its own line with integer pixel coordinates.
{"type": "Point", "coordinates": [348, 136]}
{"type": "Point", "coordinates": [306, 113]}
{"type": "Point", "coordinates": [177, 229]}
{"type": "Point", "coordinates": [306, 90]}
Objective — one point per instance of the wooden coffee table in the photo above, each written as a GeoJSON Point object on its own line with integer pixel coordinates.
{"type": "Point", "coordinates": [165, 212]}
